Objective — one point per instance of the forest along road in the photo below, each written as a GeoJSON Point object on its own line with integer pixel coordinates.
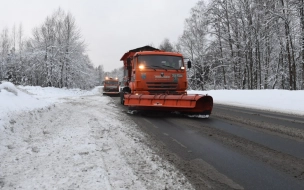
{"type": "Point", "coordinates": [236, 148]}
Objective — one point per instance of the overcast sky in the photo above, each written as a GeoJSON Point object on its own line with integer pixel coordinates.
{"type": "Point", "coordinates": [109, 27]}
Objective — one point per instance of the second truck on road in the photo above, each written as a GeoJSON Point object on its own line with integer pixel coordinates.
{"type": "Point", "coordinates": [111, 86]}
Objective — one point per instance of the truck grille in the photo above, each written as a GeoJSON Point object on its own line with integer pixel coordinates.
{"type": "Point", "coordinates": [111, 90]}
{"type": "Point", "coordinates": [162, 86]}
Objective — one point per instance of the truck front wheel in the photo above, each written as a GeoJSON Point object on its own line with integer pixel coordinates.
{"type": "Point", "coordinates": [122, 98]}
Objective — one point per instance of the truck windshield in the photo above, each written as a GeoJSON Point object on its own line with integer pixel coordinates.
{"type": "Point", "coordinates": [111, 82]}
{"type": "Point", "coordinates": [160, 61]}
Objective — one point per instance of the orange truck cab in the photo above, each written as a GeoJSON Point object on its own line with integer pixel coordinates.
{"type": "Point", "coordinates": [111, 86]}
{"type": "Point", "coordinates": [157, 80]}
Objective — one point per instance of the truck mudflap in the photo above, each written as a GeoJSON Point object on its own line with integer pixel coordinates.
{"type": "Point", "coordinates": [198, 104]}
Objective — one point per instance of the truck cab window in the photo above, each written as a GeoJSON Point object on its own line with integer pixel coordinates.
{"type": "Point", "coordinates": [160, 61]}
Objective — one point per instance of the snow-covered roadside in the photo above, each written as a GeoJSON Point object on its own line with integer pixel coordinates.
{"type": "Point", "coordinates": [284, 101]}
{"type": "Point", "coordinates": [84, 142]}
{"type": "Point", "coordinates": [16, 99]}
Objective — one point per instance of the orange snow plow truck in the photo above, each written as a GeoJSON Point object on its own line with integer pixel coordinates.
{"type": "Point", "coordinates": [157, 80]}
{"type": "Point", "coordinates": [111, 86]}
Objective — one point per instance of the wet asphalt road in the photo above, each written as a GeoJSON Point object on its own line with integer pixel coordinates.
{"type": "Point", "coordinates": [255, 149]}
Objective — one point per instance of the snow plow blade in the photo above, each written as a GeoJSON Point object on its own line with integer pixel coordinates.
{"type": "Point", "coordinates": [192, 104]}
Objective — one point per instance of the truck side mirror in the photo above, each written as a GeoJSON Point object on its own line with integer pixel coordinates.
{"type": "Point", "coordinates": [129, 64]}
{"type": "Point", "coordinates": [189, 64]}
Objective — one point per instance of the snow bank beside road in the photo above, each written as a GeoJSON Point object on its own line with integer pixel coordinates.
{"type": "Point", "coordinates": [52, 95]}
{"type": "Point", "coordinates": [284, 101]}
{"type": "Point", "coordinates": [11, 102]}
{"type": "Point", "coordinates": [9, 87]}
{"type": "Point", "coordinates": [14, 99]}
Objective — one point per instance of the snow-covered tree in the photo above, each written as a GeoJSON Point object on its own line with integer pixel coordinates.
{"type": "Point", "coordinates": [245, 44]}
{"type": "Point", "coordinates": [166, 45]}
{"type": "Point", "coordinates": [55, 55]}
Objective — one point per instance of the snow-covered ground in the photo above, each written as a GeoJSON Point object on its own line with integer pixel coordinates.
{"type": "Point", "coordinates": [73, 139]}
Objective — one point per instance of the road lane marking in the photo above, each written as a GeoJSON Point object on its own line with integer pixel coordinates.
{"type": "Point", "coordinates": [150, 123]}
{"type": "Point", "coordinates": [178, 142]}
